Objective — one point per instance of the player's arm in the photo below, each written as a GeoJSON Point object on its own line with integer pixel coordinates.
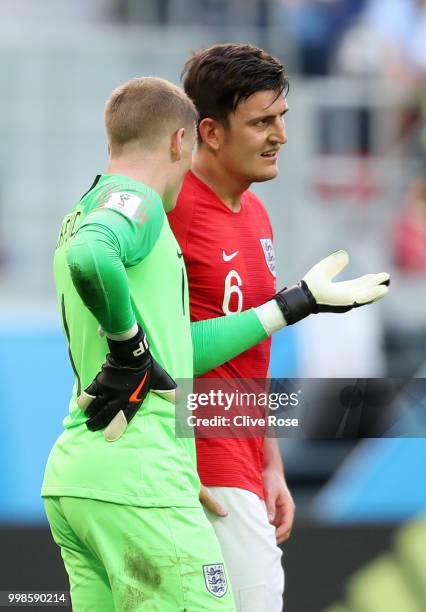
{"type": "Point", "coordinates": [97, 257]}
{"type": "Point", "coordinates": [223, 338]}
{"type": "Point", "coordinates": [278, 499]}
{"type": "Point", "coordinates": [97, 265]}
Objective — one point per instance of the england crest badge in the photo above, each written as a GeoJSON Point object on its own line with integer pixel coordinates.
{"type": "Point", "coordinates": [214, 576]}
{"type": "Point", "coordinates": [268, 251]}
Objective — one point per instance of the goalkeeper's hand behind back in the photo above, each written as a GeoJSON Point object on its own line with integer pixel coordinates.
{"type": "Point", "coordinates": [118, 391]}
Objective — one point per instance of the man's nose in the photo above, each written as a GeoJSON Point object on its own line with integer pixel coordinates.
{"type": "Point", "coordinates": [280, 134]}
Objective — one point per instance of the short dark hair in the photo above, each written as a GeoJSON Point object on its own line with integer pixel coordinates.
{"type": "Point", "coordinates": [220, 77]}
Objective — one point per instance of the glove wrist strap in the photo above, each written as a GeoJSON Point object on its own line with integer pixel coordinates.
{"type": "Point", "coordinates": [132, 351]}
{"type": "Point", "coordinates": [296, 302]}
{"type": "Point", "coordinates": [127, 335]}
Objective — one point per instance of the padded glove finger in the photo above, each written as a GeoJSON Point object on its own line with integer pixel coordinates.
{"type": "Point", "coordinates": [162, 383]}
{"type": "Point", "coordinates": [317, 293]}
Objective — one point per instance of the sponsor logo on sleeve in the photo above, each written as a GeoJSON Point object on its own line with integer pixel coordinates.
{"type": "Point", "coordinates": [215, 579]}
{"type": "Point", "coordinates": [125, 203]}
{"type": "Point", "coordinates": [268, 251]}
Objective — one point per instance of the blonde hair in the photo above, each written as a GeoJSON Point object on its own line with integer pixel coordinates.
{"type": "Point", "coordinates": [146, 109]}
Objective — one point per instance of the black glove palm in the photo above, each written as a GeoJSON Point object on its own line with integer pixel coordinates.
{"type": "Point", "coordinates": [118, 391]}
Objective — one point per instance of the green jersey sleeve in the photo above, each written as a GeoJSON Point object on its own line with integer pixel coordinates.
{"type": "Point", "coordinates": [111, 239]}
{"type": "Point", "coordinates": [218, 340]}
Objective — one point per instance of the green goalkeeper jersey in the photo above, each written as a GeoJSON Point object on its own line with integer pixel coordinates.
{"type": "Point", "coordinates": [144, 278]}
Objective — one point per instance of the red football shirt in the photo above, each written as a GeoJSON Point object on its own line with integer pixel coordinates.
{"type": "Point", "coordinates": [231, 267]}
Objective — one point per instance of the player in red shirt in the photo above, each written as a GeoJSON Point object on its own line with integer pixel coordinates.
{"type": "Point", "coordinates": [226, 238]}
{"type": "Point", "coordinates": [231, 267]}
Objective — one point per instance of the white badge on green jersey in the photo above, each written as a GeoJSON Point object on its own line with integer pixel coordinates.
{"type": "Point", "coordinates": [126, 203]}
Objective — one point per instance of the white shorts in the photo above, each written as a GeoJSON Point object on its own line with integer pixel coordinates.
{"type": "Point", "coordinates": [252, 557]}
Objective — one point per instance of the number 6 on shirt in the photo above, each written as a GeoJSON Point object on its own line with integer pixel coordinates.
{"type": "Point", "coordinates": [230, 289]}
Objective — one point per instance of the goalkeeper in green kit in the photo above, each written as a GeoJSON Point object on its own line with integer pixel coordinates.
{"type": "Point", "coordinates": [121, 491]}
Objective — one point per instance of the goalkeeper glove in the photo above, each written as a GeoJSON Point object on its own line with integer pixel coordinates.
{"type": "Point", "coordinates": [317, 293]}
{"type": "Point", "coordinates": [118, 391]}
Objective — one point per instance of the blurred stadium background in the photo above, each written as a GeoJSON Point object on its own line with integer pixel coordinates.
{"type": "Point", "coordinates": [352, 175]}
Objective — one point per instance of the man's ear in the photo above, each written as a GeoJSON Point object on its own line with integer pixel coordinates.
{"type": "Point", "coordinates": [176, 144]}
{"type": "Point", "coordinates": [210, 132]}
